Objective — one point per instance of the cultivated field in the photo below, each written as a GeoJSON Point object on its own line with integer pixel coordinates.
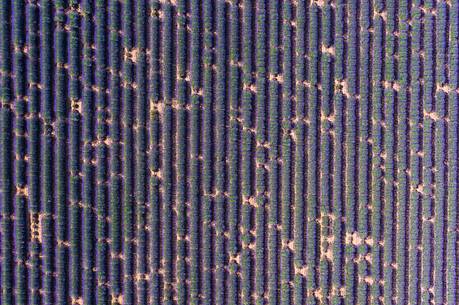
{"type": "Point", "coordinates": [267, 152]}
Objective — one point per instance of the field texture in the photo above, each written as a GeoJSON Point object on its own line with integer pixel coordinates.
{"type": "Point", "coordinates": [198, 152]}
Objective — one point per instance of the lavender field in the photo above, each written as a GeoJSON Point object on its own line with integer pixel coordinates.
{"type": "Point", "coordinates": [198, 152]}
